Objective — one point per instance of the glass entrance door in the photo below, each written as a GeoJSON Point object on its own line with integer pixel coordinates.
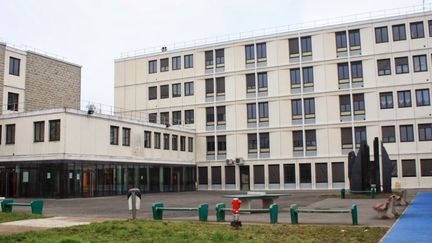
{"type": "Point", "coordinates": [88, 180]}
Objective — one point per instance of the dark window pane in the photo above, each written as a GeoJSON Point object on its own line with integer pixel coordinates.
{"type": "Point", "coordinates": [289, 173]}
{"type": "Point", "coordinates": [408, 168]}
{"type": "Point", "coordinates": [338, 172]}
{"type": "Point", "coordinates": [273, 174]}
{"type": "Point", "coordinates": [321, 172]}
{"type": "Point", "coordinates": [216, 175]}
{"type": "Point", "coordinates": [202, 175]}
{"type": "Point", "coordinates": [305, 173]}
{"type": "Point", "coordinates": [258, 174]}
{"type": "Point", "coordinates": [426, 167]}
{"type": "Point", "coordinates": [229, 174]}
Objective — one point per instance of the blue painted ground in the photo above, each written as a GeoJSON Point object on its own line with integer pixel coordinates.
{"type": "Point", "coordinates": [416, 223]}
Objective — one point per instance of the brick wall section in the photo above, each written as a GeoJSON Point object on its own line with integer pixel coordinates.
{"type": "Point", "coordinates": [2, 71]}
{"type": "Point", "coordinates": [51, 83]}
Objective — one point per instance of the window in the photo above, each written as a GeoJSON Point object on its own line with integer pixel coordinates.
{"type": "Point", "coordinates": [14, 66]}
{"type": "Point", "coordinates": [176, 116]}
{"type": "Point", "coordinates": [153, 117]}
{"type": "Point", "coordinates": [296, 109]}
{"type": "Point", "coordinates": [216, 175]}
{"type": "Point", "coordinates": [221, 143]}
{"type": "Point", "coordinates": [425, 132]}
{"type": "Point", "coordinates": [309, 108]}
{"type": "Point", "coordinates": [252, 143]}
{"type": "Point", "coordinates": [12, 102]}
{"type": "Point", "coordinates": [166, 141]}
{"type": "Point", "coordinates": [338, 172]}
{"type": "Point", "coordinates": [417, 30]}
{"type": "Point", "coordinates": [261, 52]}
{"type": "Point", "coordinates": [295, 77]}
{"type": "Point", "coordinates": [263, 111]}
{"type": "Point", "coordinates": [190, 144]}
{"type": "Point", "coordinates": [345, 105]}
{"type": "Point", "coordinates": [408, 168]}
{"type": "Point", "coordinates": [422, 97]}
{"type": "Point", "coordinates": [164, 91]}
{"type": "Point", "coordinates": [189, 116]}
{"type": "Point", "coordinates": [430, 28]}
{"type": "Point", "coordinates": [426, 167]}
{"type": "Point", "coordinates": [189, 88]}
{"type": "Point", "coordinates": [188, 61]}
{"type": "Point", "coordinates": [308, 78]}
{"type": "Point", "coordinates": [220, 86]}
{"type": "Point", "coordinates": [1, 133]}
{"type": "Point", "coordinates": [220, 58]}
{"type": "Point", "coordinates": [381, 34]}
{"type": "Point", "coordinates": [399, 32]}
{"type": "Point", "coordinates": [153, 66]}
{"type": "Point", "coordinates": [220, 115]}
{"type": "Point", "coordinates": [311, 144]}
{"type": "Point", "coordinates": [164, 118]}
{"type": "Point", "coordinates": [251, 113]}
{"type": "Point", "coordinates": [262, 82]}
{"type": "Point", "coordinates": [360, 136]}
{"type": "Point", "coordinates": [209, 59]}
{"type": "Point", "coordinates": [264, 142]}
{"type": "Point", "coordinates": [305, 173]}
{"type": "Point", "coordinates": [258, 174]}
{"type": "Point", "coordinates": [321, 172]}
{"type": "Point", "coordinates": [289, 174]}
{"type": "Point", "coordinates": [356, 71]}
{"type": "Point", "coordinates": [147, 139]}
{"type": "Point", "coordinates": [38, 131]}
{"type": "Point", "coordinates": [343, 73]}
{"type": "Point", "coordinates": [406, 133]}
{"type": "Point", "coordinates": [114, 132]}
{"type": "Point", "coordinates": [174, 142]}
{"type": "Point", "coordinates": [176, 90]}
{"type": "Point", "coordinates": [182, 143]}
{"type": "Point", "coordinates": [210, 116]}
{"type": "Point", "coordinates": [386, 100]}
{"type": "Point", "coordinates": [359, 105]}
{"type": "Point", "coordinates": [250, 53]}
{"type": "Point", "coordinates": [164, 66]}
{"type": "Point", "coordinates": [404, 98]}
{"type": "Point", "coordinates": [10, 134]}
{"type": "Point", "coordinates": [176, 63]}
{"type": "Point", "coordinates": [152, 93]}
{"type": "Point", "coordinates": [157, 140]}
{"type": "Point", "coordinates": [210, 145]}
{"type": "Point", "coordinates": [273, 174]}
{"type": "Point", "coordinates": [394, 168]}
{"type": "Point", "coordinates": [420, 63]}
{"type": "Point", "coordinates": [54, 130]}
{"type": "Point", "coordinates": [126, 136]}
{"type": "Point", "coordinates": [297, 140]}
{"type": "Point", "coordinates": [293, 45]}
{"type": "Point", "coordinates": [341, 41]}
{"type": "Point", "coordinates": [354, 39]}
{"type": "Point", "coordinates": [384, 67]}
{"type": "Point", "coordinates": [346, 134]}
{"type": "Point", "coordinates": [388, 134]}
{"type": "Point", "coordinates": [306, 46]}
{"type": "Point", "coordinates": [209, 87]}
{"type": "Point", "coordinates": [250, 83]}
{"type": "Point", "coordinates": [202, 175]}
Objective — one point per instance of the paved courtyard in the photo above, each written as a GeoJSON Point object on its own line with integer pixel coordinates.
{"type": "Point", "coordinates": [115, 207]}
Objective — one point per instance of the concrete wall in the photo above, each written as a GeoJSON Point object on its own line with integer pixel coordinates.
{"type": "Point", "coordinates": [51, 83]}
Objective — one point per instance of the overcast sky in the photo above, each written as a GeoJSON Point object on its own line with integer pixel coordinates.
{"type": "Point", "coordinates": [94, 33]}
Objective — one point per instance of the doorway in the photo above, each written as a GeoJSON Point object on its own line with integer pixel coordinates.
{"type": "Point", "coordinates": [244, 178]}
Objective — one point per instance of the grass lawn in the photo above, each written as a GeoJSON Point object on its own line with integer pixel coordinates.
{"type": "Point", "coordinates": [7, 217]}
{"type": "Point", "coordinates": [157, 231]}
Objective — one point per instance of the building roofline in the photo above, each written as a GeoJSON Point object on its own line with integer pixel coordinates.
{"type": "Point", "coordinates": [313, 26]}
{"type": "Point", "coordinates": [54, 58]}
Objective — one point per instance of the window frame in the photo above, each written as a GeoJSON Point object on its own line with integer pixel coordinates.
{"type": "Point", "coordinates": [164, 64]}
{"type": "Point", "coordinates": [189, 88]}
{"type": "Point", "coordinates": [381, 35]}
{"type": "Point", "coordinates": [417, 30]}
{"type": "Point", "coordinates": [114, 135]}
{"type": "Point", "coordinates": [406, 133]}
{"type": "Point", "coordinates": [126, 132]}
{"type": "Point", "coordinates": [424, 95]}
{"type": "Point", "coordinates": [152, 66]}
{"type": "Point", "coordinates": [38, 131]}
{"type": "Point", "coordinates": [188, 61]}
{"type": "Point", "coordinates": [399, 32]}
{"type": "Point", "coordinates": [176, 63]}
{"type": "Point", "coordinates": [176, 90]}
{"type": "Point", "coordinates": [54, 130]}
{"type": "Point", "coordinates": [388, 96]}
{"type": "Point", "coordinates": [14, 66]}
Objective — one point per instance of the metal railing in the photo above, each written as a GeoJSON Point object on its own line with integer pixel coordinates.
{"type": "Point", "coordinates": [280, 29]}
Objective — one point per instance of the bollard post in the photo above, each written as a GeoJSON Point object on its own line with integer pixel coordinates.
{"type": "Point", "coordinates": [220, 213]}
{"type": "Point", "coordinates": [342, 193]}
{"type": "Point", "coordinates": [37, 206]}
{"type": "Point", "coordinates": [373, 192]}
{"type": "Point", "coordinates": [354, 214]}
{"type": "Point", "coordinates": [274, 213]}
{"type": "Point", "coordinates": [294, 214]}
{"type": "Point", "coordinates": [134, 210]}
{"type": "Point", "coordinates": [157, 212]}
{"type": "Point", "coordinates": [203, 212]}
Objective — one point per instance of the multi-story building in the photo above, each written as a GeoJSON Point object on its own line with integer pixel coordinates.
{"type": "Point", "coordinates": [49, 148]}
{"type": "Point", "coordinates": [288, 107]}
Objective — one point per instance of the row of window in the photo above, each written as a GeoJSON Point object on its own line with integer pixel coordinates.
{"type": "Point", "coordinates": [175, 62]}
{"type": "Point", "coordinates": [176, 90]}
{"type": "Point", "coordinates": [399, 32]}
{"type": "Point", "coordinates": [176, 117]}
{"type": "Point", "coordinates": [38, 131]}
{"type": "Point", "coordinates": [126, 132]}
{"type": "Point", "coordinates": [306, 140]}
{"type": "Point", "coordinates": [305, 173]}
{"type": "Point", "coordinates": [404, 98]}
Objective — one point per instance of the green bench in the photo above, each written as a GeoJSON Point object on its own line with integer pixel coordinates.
{"type": "Point", "coordinates": [8, 204]}
{"type": "Point", "coordinates": [371, 192]}
{"type": "Point", "coordinates": [294, 211]}
{"type": "Point", "coordinates": [158, 209]}
{"type": "Point", "coordinates": [272, 210]}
